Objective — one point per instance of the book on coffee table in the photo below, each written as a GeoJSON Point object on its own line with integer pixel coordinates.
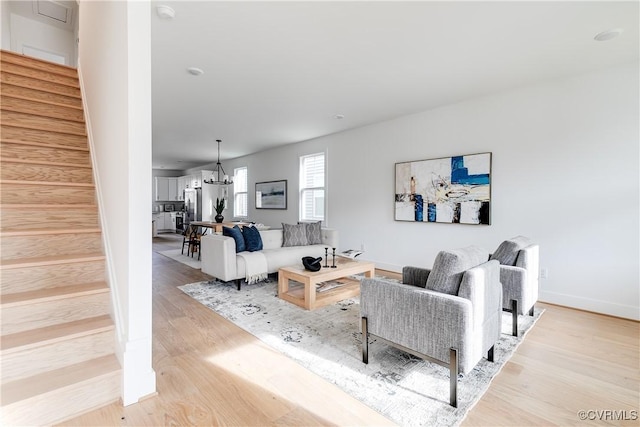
{"type": "Point", "coordinates": [350, 253]}
{"type": "Point", "coordinates": [325, 286]}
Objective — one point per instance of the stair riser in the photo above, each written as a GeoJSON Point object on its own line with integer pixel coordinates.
{"type": "Point", "coordinates": [63, 404]}
{"type": "Point", "coordinates": [32, 316]}
{"type": "Point", "coordinates": [16, 247]}
{"type": "Point", "coordinates": [41, 109]}
{"type": "Point", "coordinates": [51, 276]}
{"type": "Point", "coordinates": [10, 151]}
{"type": "Point", "coordinates": [18, 80]}
{"type": "Point", "coordinates": [12, 219]}
{"type": "Point", "coordinates": [24, 92]}
{"type": "Point", "coordinates": [25, 363]}
{"type": "Point", "coordinates": [45, 173]}
{"type": "Point", "coordinates": [43, 137]}
{"type": "Point", "coordinates": [46, 194]}
{"type": "Point", "coordinates": [33, 73]}
{"type": "Point", "coordinates": [14, 58]}
{"type": "Point", "coordinates": [42, 123]}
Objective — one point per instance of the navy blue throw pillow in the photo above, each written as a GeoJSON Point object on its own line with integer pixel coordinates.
{"type": "Point", "coordinates": [252, 239]}
{"type": "Point", "coordinates": [237, 236]}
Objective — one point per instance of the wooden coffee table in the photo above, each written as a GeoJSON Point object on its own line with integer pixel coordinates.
{"type": "Point", "coordinates": [306, 296]}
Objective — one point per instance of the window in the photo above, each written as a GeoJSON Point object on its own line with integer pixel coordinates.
{"type": "Point", "coordinates": [240, 192]}
{"type": "Point", "coordinates": [312, 185]}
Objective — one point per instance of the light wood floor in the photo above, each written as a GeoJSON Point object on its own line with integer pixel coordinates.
{"type": "Point", "coordinates": [210, 372]}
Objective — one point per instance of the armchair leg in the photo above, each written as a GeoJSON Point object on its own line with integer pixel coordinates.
{"type": "Point", "coordinates": [365, 341]}
{"type": "Point", "coordinates": [490, 354]}
{"type": "Point", "coordinates": [531, 311]}
{"type": "Point", "coordinates": [453, 377]}
{"type": "Point", "coordinates": [514, 317]}
{"type": "Point", "coordinates": [238, 283]}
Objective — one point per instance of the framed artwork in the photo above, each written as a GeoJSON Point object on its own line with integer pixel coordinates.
{"type": "Point", "coordinates": [271, 195]}
{"type": "Point", "coordinates": [455, 190]}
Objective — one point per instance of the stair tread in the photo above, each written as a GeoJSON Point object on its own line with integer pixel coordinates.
{"type": "Point", "coordinates": [41, 144]}
{"type": "Point", "coordinates": [57, 379]}
{"type": "Point", "coordinates": [50, 294]}
{"type": "Point", "coordinates": [72, 127]}
{"type": "Point", "coordinates": [53, 206]}
{"type": "Point", "coordinates": [41, 101]}
{"type": "Point", "coordinates": [54, 333]}
{"type": "Point", "coordinates": [58, 183]}
{"type": "Point", "coordinates": [49, 260]}
{"type": "Point", "coordinates": [15, 58]}
{"type": "Point", "coordinates": [48, 231]}
{"type": "Point", "coordinates": [46, 163]}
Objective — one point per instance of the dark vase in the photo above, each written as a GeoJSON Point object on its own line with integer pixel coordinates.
{"type": "Point", "coordinates": [219, 218]}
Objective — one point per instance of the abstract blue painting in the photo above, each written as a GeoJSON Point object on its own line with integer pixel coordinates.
{"type": "Point", "coordinates": [455, 190]}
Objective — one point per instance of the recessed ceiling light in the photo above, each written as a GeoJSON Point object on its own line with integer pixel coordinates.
{"type": "Point", "coordinates": [165, 12]}
{"type": "Point", "coordinates": [195, 71]}
{"type": "Point", "coordinates": [339, 116]}
{"type": "Point", "coordinates": [608, 35]}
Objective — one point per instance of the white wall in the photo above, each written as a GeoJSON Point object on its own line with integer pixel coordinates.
{"type": "Point", "coordinates": [115, 70]}
{"type": "Point", "coordinates": [565, 173]}
{"type": "Point", "coordinates": [5, 26]}
{"type": "Point", "coordinates": [29, 32]}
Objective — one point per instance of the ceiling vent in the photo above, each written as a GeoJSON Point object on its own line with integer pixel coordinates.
{"type": "Point", "coordinates": [52, 10]}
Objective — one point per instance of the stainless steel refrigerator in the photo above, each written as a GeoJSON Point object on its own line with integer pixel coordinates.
{"type": "Point", "coordinates": [193, 205]}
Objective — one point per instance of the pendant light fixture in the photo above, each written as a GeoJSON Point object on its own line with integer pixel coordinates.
{"type": "Point", "coordinates": [219, 177]}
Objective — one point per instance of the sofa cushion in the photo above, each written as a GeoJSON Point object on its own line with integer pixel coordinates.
{"type": "Point", "coordinates": [237, 236]}
{"type": "Point", "coordinates": [507, 252]}
{"type": "Point", "coordinates": [252, 239]}
{"type": "Point", "coordinates": [450, 265]}
{"type": "Point", "coordinates": [294, 235]}
{"type": "Point", "coordinates": [313, 229]}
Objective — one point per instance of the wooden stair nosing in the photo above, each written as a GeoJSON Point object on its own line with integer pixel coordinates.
{"type": "Point", "coordinates": [20, 59]}
{"type": "Point", "coordinates": [42, 144]}
{"type": "Point", "coordinates": [54, 206]}
{"type": "Point", "coordinates": [45, 163]}
{"type": "Point", "coordinates": [50, 90]}
{"type": "Point", "coordinates": [59, 79]}
{"type": "Point", "coordinates": [52, 294]}
{"type": "Point", "coordinates": [56, 183]}
{"type": "Point", "coordinates": [16, 89]}
{"type": "Point", "coordinates": [48, 231]}
{"type": "Point", "coordinates": [41, 101]}
{"type": "Point", "coordinates": [57, 379]}
{"type": "Point", "coordinates": [55, 333]}
{"type": "Point", "coordinates": [16, 125]}
{"type": "Point", "coordinates": [50, 260]}
{"type": "Point", "coordinates": [40, 114]}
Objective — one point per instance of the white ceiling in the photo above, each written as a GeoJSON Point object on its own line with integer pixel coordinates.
{"type": "Point", "coordinates": [278, 72]}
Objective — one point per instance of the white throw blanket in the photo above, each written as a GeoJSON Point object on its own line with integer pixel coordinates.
{"type": "Point", "coordinates": [255, 266]}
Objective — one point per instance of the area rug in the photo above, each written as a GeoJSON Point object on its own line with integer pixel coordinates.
{"type": "Point", "coordinates": [406, 389]}
{"type": "Point", "coordinates": [176, 255]}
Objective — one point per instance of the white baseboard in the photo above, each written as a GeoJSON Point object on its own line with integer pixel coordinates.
{"type": "Point", "coordinates": [588, 304]}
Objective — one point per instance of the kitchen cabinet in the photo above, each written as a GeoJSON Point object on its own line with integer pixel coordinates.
{"type": "Point", "coordinates": [166, 189]}
{"type": "Point", "coordinates": [165, 221]}
{"type": "Point", "coordinates": [169, 221]}
{"type": "Point", "coordinates": [173, 189]}
{"type": "Point", "coordinates": [159, 219]}
{"type": "Point", "coordinates": [162, 189]}
{"type": "Point", "coordinates": [184, 182]}
{"type": "Point", "coordinates": [199, 177]}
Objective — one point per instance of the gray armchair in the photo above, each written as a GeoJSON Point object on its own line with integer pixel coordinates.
{"type": "Point", "coordinates": [519, 266]}
{"type": "Point", "coordinates": [450, 314]}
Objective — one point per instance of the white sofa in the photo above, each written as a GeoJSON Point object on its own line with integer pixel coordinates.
{"type": "Point", "coordinates": [219, 258]}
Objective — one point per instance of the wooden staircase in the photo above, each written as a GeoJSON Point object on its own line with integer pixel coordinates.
{"type": "Point", "coordinates": [57, 336]}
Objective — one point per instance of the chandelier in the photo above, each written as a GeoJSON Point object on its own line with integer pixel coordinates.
{"type": "Point", "coordinates": [219, 176]}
